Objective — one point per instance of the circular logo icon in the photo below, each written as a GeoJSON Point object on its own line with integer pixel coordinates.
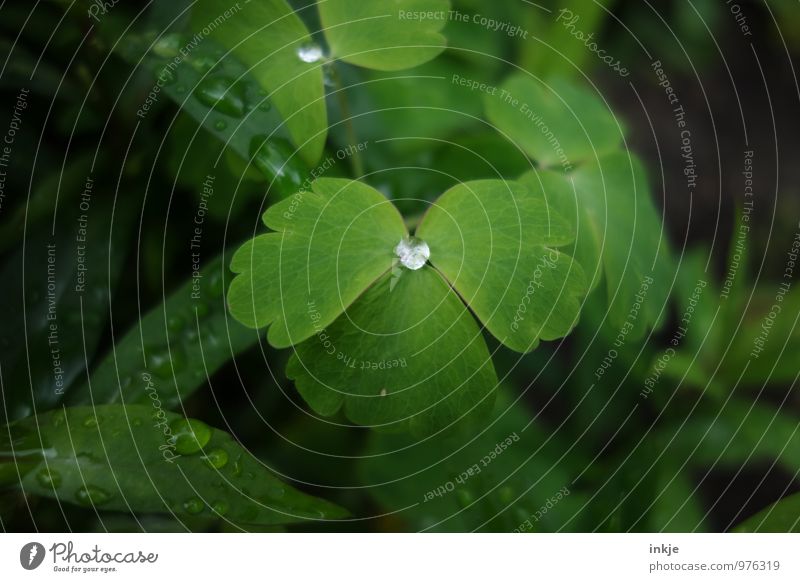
{"type": "Point", "coordinates": [31, 555]}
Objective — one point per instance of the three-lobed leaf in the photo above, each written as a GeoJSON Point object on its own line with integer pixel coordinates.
{"type": "Point", "coordinates": [384, 34]}
{"type": "Point", "coordinates": [495, 242]}
{"type": "Point", "coordinates": [330, 244]}
{"type": "Point", "coordinates": [394, 346]}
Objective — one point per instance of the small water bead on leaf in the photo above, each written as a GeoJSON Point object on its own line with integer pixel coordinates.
{"type": "Point", "coordinates": [193, 506]}
{"type": "Point", "coordinates": [90, 421]}
{"type": "Point", "coordinates": [413, 252]}
{"type": "Point", "coordinates": [275, 491]}
{"type": "Point", "coordinates": [274, 158]}
{"type": "Point", "coordinates": [310, 53]}
{"type": "Point", "coordinates": [220, 507]}
{"type": "Point", "coordinates": [169, 45]}
{"type": "Point", "coordinates": [216, 458]}
{"type": "Point", "coordinates": [465, 497]}
{"type": "Point", "coordinates": [189, 435]}
{"type": "Point", "coordinates": [49, 478]}
{"type": "Point", "coordinates": [89, 496]}
{"type": "Point", "coordinates": [176, 323]}
{"type": "Point", "coordinates": [220, 125]}
{"type": "Point", "coordinates": [203, 64]}
{"type": "Point", "coordinates": [222, 94]}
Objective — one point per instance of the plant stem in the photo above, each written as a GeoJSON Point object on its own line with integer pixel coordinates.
{"type": "Point", "coordinates": [344, 106]}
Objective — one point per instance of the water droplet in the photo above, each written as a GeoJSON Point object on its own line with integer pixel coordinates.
{"type": "Point", "coordinates": [180, 89]}
{"type": "Point", "coordinates": [222, 94]}
{"type": "Point", "coordinates": [169, 45]}
{"type": "Point", "coordinates": [220, 125]}
{"type": "Point", "coordinates": [90, 421]}
{"type": "Point", "coordinates": [413, 252]}
{"type": "Point", "coordinates": [193, 506]}
{"type": "Point", "coordinates": [506, 494]}
{"type": "Point", "coordinates": [273, 158]}
{"type": "Point", "coordinates": [236, 469]}
{"type": "Point", "coordinates": [49, 478]}
{"type": "Point", "coordinates": [464, 497]}
{"type": "Point", "coordinates": [203, 64]}
{"type": "Point", "coordinates": [89, 495]}
{"type": "Point", "coordinates": [163, 362]}
{"type": "Point", "coordinates": [216, 458]}
{"type": "Point", "coordinates": [310, 53]}
{"type": "Point", "coordinates": [265, 105]}
{"type": "Point", "coordinates": [136, 422]}
{"type": "Point", "coordinates": [220, 507]}
{"type": "Point", "coordinates": [175, 323]}
{"type": "Point", "coordinates": [189, 435]}
{"type": "Point", "coordinates": [58, 418]}
{"type": "Point", "coordinates": [383, 392]}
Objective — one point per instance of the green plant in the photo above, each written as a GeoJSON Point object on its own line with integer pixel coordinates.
{"type": "Point", "coordinates": [464, 312]}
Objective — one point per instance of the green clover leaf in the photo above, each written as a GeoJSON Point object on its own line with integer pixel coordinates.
{"type": "Point", "coordinates": [383, 335]}
{"type": "Point", "coordinates": [269, 37]}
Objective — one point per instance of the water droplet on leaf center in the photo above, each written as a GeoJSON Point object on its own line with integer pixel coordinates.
{"type": "Point", "coordinates": [413, 252]}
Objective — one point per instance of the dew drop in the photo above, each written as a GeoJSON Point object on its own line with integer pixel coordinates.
{"type": "Point", "coordinates": [90, 421]}
{"type": "Point", "coordinates": [136, 422]}
{"type": "Point", "coordinates": [220, 507]}
{"type": "Point", "coordinates": [89, 495]}
{"type": "Point", "coordinates": [222, 94]}
{"type": "Point", "coordinates": [413, 252]}
{"type": "Point", "coordinates": [216, 458]}
{"type": "Point", "coordinates": [193, 506]}
{"type": "Point", "coordinates": [168, 45]}
{"type": "Point", "coordinates": [220, 125]}
{"type": "Point", "coordinates": [464, 497]}
{"type": "Point", "coordinates": [176, 323]}
{"type": "Point", "coordinates": [310, 53]}
{"type": "Point", "coordinates": [49, 478]}
{"type": "Point", "coordinates": [189, 435]}
{"type": "Point", "coordinates": [203, 64]}
{"type": "Point", "coordinates": [180, 89]}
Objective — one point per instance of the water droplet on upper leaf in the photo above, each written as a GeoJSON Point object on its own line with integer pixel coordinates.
{"type": "Point", "coordinates": [193, 506]}
{"type": "Point", "coordinates": [220, 507]}
{"type": "Point", "coordinates": [412, 252]}
{"type": "Point", "coordinates": [217, 458]}
{"type": "Point", "coordinates": [168, 45]}
{"type": "Point", "coordinates": [310, 53]}
{"type": "Point", "coordinates": [89, 495]}
{"type": "Point", "coordinates": [49, 478]}
{"type": "Point", "coordinates": [222, 94]}
{"type": "Point", "coordinates": [189, 435]}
